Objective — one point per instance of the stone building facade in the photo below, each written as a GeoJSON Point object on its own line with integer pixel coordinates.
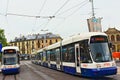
{"type": "Point", "coordinates": [114, 37]}
{"type": "Point", "coordinates": [27, 44]}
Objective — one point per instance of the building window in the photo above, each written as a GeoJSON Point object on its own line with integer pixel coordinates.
{"type": "Point", "coordinates": [16, 44]}
{"type": "Point", "coordinates": [32, 44]}
{"type": "Point", "coordinates": [113, 48]}
{"type": "Point", "coordinates": [27, 45]}
{"type": "Point", "coordinates": [56, 40]}
{"type": "Point", "coordinates": [42, 46]}
{"type": "Point", "coordinates": [118, 37]}
{"type": "Point", "coordinates": [50, 42]}
{"type": "Point", "coordinates": [42, 41]}
{"type": "Point", "coordinates": [46, 41]}
{"type": "Point", "coordinates": [112, 38]}
{"type": "Point", "coordinates": [38, 44]}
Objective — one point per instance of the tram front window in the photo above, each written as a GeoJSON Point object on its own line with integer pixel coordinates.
{"type": "Point", "coordinates": [100, 52]}
{"type": "Point", "coordinates": [9, 61]}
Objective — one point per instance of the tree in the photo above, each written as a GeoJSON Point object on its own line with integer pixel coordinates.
{"type": "Point", "coordinates": [3, 40]}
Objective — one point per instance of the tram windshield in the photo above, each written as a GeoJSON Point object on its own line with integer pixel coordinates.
{"type": "Point", "coordinates": [9, 61]}
{"type": "Point", "coordinates": [99, 49]}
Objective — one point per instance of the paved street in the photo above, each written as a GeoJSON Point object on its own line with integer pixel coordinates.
{"type": "Point", "coordinates": [31, 71]}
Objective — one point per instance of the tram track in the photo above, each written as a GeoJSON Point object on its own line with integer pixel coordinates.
{"type": "Point", "coordinates": [9, 77]}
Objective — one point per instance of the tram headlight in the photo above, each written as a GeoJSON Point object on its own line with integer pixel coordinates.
{"type": "Point", "coordinates": [113, 64]}
{"type": "Point", "coordinates": [17, 65]}
{"type": "Point", "coordinates": [3, 67]}
{"type": "Point", "coordinates": [98, 65]}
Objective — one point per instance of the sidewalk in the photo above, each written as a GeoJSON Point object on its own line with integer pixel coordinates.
{"type": "Point", "coordinates": [0, 66]}
{"type": "Point", "coordinates": [118, 70]}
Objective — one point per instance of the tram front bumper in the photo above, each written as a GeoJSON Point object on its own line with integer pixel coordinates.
{"type": "Point", "coordinates": [10, 71]}
{"type": "Point", "coordinates": [99, 72]}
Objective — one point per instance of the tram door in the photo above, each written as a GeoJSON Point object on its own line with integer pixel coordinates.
{"type": "Point", "coordinates": [48, 56]}
{"type": "Point", "coordinates": [58, 59]}
{"type": "Point", "coordinates": [77, 58]}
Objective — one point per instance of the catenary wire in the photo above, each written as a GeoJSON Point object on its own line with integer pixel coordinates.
{"type": "Point", "coordinates": [61, 7]}
{"type": "Point", "coordinates": [71, 8]}
{"type": "Point", "coordinates": [57, 12]}
{"type": "Point", "coordinates": [42, 7]}
{"type": "Point", "coordinates": [70, 15]}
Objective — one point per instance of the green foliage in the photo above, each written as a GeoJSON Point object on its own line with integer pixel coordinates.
{"type": "Point", "coordinates": [3, 40]}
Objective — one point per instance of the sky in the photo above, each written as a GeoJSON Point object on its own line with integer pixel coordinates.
{"type": "Point", "coordinates": [70, 16]}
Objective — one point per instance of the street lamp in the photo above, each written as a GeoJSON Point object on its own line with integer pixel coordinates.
{"type": "Point", "coordinates": [44, 36]}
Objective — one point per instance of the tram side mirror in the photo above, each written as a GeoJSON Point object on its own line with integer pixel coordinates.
{"type": "Point", "coordinates": [110, 44]}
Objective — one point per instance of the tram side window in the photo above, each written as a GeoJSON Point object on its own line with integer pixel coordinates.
{"type": "Point", "coordinates": [71, 55]}
{"type": "Point", "coordinates": [68, 53]}
{"type": "Point", "coordinates": [39, 57]}
{"type": "Point", "coordinates": [52, 55]}
{"type": "Point", "coordinates": [65, 54]}
{"type": "Point", "coordinates": [41, 54]}
{"type": "Point", "coordinates": [48, 55]}
{"type": "Point", "coordinates": [84, 52]}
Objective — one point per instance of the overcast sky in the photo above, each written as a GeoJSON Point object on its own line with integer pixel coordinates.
{"type": "Point", "coordinates": [70, 16]}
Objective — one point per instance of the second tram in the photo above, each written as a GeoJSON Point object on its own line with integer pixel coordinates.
{"type": "Point", "coordinates": [10, 60]}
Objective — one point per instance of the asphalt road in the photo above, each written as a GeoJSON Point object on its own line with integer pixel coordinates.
{"type": "Point", "coordinates": [31, 71]}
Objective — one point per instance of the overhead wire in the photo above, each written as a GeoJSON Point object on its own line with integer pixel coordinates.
{"type": "Point", "coordinates": [80, 6]}
{"type": "Point", "coordinates": [49, 17]}
{"type": "Point", "coordinates": [61, 7]}
{"type": "Point", "coordinates": [42, 7]}
{"type": "Point", "coordinates": [7, 6]}
{"type": "Point", "coordinates": [71, 8]}
{"type": "Point", "coordinates": [77, 9]}
{"type": "Point", "coordinates": [57, 12]}
{"type": "Point", "coordinates": [6, 12]}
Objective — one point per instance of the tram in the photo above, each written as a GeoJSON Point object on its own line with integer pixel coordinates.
{"type": "Point", "coordinates": [86, 54]}
{"type": "Point", "coordinates": [10, 60]}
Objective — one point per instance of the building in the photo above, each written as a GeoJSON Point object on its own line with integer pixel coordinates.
{"type": "Point", "coordinates": [28, 44]}
{"type": "Point", "coordinates": [114, 37]}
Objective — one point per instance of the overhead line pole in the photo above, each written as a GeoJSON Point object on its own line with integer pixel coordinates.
{"type": "Point", "coordinates": [93, 13]}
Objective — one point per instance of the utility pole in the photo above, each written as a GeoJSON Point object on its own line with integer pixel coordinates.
{"type": "Point", "coordinates": [93, 13]}
{"type": "Point", "coordinates": [92, 4]}
{"type": "Point", "coordinates": [44, 30]}
{"type": "Point", "coordinates": [94, 24]}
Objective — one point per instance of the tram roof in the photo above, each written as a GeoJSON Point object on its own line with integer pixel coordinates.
{"type": "Point", "coordinates": [54, 45]}
{"type": "Point", "coordinates": [10, 47]}
{"type": "Point", "coordinates": [73, 39]}
{"type": "Point", "coordinates": [81, 36]}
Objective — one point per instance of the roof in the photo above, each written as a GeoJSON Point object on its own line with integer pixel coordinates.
{"type": "Point", "coordinates": [81, 36]}
{"type": "Point", "coordinates": [112, 31]}
{"type": "Point", "coordinates": [72, 39]}
{"type": "Point", "coordinates": [36, 36]}
{"type": "Point", "coordinates": [10, 47]}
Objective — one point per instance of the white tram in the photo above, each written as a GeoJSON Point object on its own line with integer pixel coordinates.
{"type": "Point", "coordinates": [85, 54]}
{"type": "Point", "coordinates": [10, 60]}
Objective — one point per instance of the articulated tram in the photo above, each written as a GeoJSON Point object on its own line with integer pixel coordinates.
{"type": "Point", "coordinates": [85, 54]}
{"type": "Point", "coordinates": [10, 60]}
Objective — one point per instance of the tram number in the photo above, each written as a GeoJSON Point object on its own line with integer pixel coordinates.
{"type": "Point", "coordinates": [85, 65]}
{"type": "Point", "coordinates": [9, 66]}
